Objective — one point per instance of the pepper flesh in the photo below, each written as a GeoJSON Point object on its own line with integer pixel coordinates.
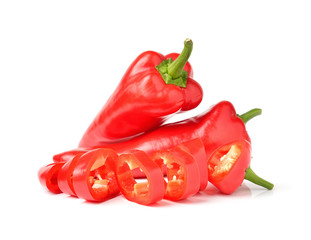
{"type": "Point", "coordinates": [48, 177]}
{"type": "Point", "coordinates": [228, 164]}
{"type": "Point", "coordinates": [196, 149]}
{"type": "Point", "coordinates": [143, 101]}
{"type": "Point", "coordinates": [64, 178]}
{"type": "Point", "coordinates": [93, 177]}
{"type": "Point", "coordinates": [147, 192]}
{"type": "Point", "coordinates": [182, 173]}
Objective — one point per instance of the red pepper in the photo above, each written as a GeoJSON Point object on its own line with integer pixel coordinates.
{"type": "Point", "coordinates": [93, 176]}
{"type": "Point", "coordinates": [48, 177]}
{"type": "Point", "coordinates": [183, 179]}
{"type": "Point", "coordinates": [218, 127]}
{"type": "Point", "coordinates": [153, 87]}
{"type": "Point", "coordinates": [228, 164]}
{"type": "Point", "coordinates": [196, 149]}
{"type": "Point", "coordinates": [64, 178]}
{"type": "Point", "coordinates": [145, 192]}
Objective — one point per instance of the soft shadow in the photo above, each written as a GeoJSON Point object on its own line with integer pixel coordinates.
{"type": "Point", "coordinates": [242, 191]}
{"type": "Point", "coordinates": [109, 200]}
{"type": "Point", "coordinates": [71, 196]}
{"type": "Point", "coordinates": [195, 199]}
{"type": "Point", "coordinates": [161, 203]}
{"type": "Point", "coordinates": [260, 193]}
{"type": "Point", "coordinates": [212, 192]}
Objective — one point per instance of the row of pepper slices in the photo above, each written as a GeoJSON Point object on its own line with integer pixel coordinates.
{"type": "Point", "coordinates": [128, 148]}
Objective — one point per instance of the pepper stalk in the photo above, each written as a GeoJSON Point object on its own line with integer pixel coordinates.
{"type": "Point", "coordinates": [173, 72]}
{"type": "Point", "coordinates": [250, 175]}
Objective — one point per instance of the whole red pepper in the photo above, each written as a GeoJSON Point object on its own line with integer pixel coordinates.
{"type": "Point", "coordinates": [153, 87]}
{"type": "Point", "coordinates": [220, 128]}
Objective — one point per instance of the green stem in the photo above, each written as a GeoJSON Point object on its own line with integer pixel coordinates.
{"type": "Point", "coordinates": [250, 114]}
{"type": "Point", "coordinates": [176, 68]}
{"type": "Point", "coordinates": [254, 178]}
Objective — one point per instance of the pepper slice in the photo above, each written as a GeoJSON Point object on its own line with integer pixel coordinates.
{"type": "Point", "coordinates": [144, 192]}
{"type": "Point", "coordinates": [229, 166]}
{"type": "Point", "coordinates": [93, 177]}
{"type": "Point", "coordinates": [68, 155]}
{"type": "Point", "coordinates": [196, 149]}
{"type": "Point", "coordinates": [64, 178]}
{"type": "Point", "coordinates": [48, 177]}
{"type": "Point", "coordinates": [182, 173]}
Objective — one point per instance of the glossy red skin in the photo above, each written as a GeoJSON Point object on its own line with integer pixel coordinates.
{"type": "Point", "coordinates": [141, 102]}
{"type": "Point", "coordinates": [48, 177]}
{"type": "Point", "coordinates": [234, 178]}
{"type": "Point", "coordinates": [191, 171]}
{"type": "Point", "coordinates": [217, 127]}
{"type": "Point", "coordinates": [196, 149]}
{"type": "Point", "coordinates": [64, 178]}
{"type": "Point", "coordinates": [67, 156]}
{"type": "Point", "coordinates": [81, 173]}
{"type": "Point", "coordinates": [151, 171]}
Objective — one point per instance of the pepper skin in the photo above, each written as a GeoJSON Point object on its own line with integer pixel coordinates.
{"type": "Point", "coordinates": [217, 127]}
{"type": "Point", "coordinates": [93, 176]}
{"type": "Point", "coordinates": [196, 149]}
{"type": "Point", "coordinates": [48, 177]}
{"type": "Point", "coordinates": [146, 192]}
{"type": "Point", "coordinates": [228, 164]}
{"type": "Point", "coordinates": [67, 156]}
{"type": "Point", "coordinates": [153, 88]}
{"type": "Point", "coordinates": [64, 178]}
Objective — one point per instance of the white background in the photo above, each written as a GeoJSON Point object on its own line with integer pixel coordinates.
{"type": "Point", "coordinates": [61, 60]}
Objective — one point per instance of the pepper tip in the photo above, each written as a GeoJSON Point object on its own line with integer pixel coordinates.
{"type": "Point", "coordinates": [188, 41]}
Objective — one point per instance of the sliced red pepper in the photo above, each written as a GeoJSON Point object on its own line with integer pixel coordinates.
{"type": "Point", "coordinates": [182, 173]}
{"type": "Point", "coordinates": [229, 166]}
{"type": "Point", "coordinates": [217, 127]}
{"type": "Point", "coordinates": [226, 165]}
{"type": "Point", "coordinates": [48, 177]}
{"type": "Point", "coordinates": [196, 149]}
{"type": "Point", "coordinates": [93, 177]}
{"type": "Point", "coordinates": [65, 175]}
{"type": "Point", "coordinates": [144, 192]}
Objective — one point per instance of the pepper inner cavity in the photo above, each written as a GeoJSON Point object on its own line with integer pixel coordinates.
{"type": "Point", "coordinates": [223, 160]}
{"type": "Point", "coordinates": [101, 177]}
{"type": "Point", "coordinates": [140, 186]}
{"type": "Point", "coordinates": [174, 176]}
